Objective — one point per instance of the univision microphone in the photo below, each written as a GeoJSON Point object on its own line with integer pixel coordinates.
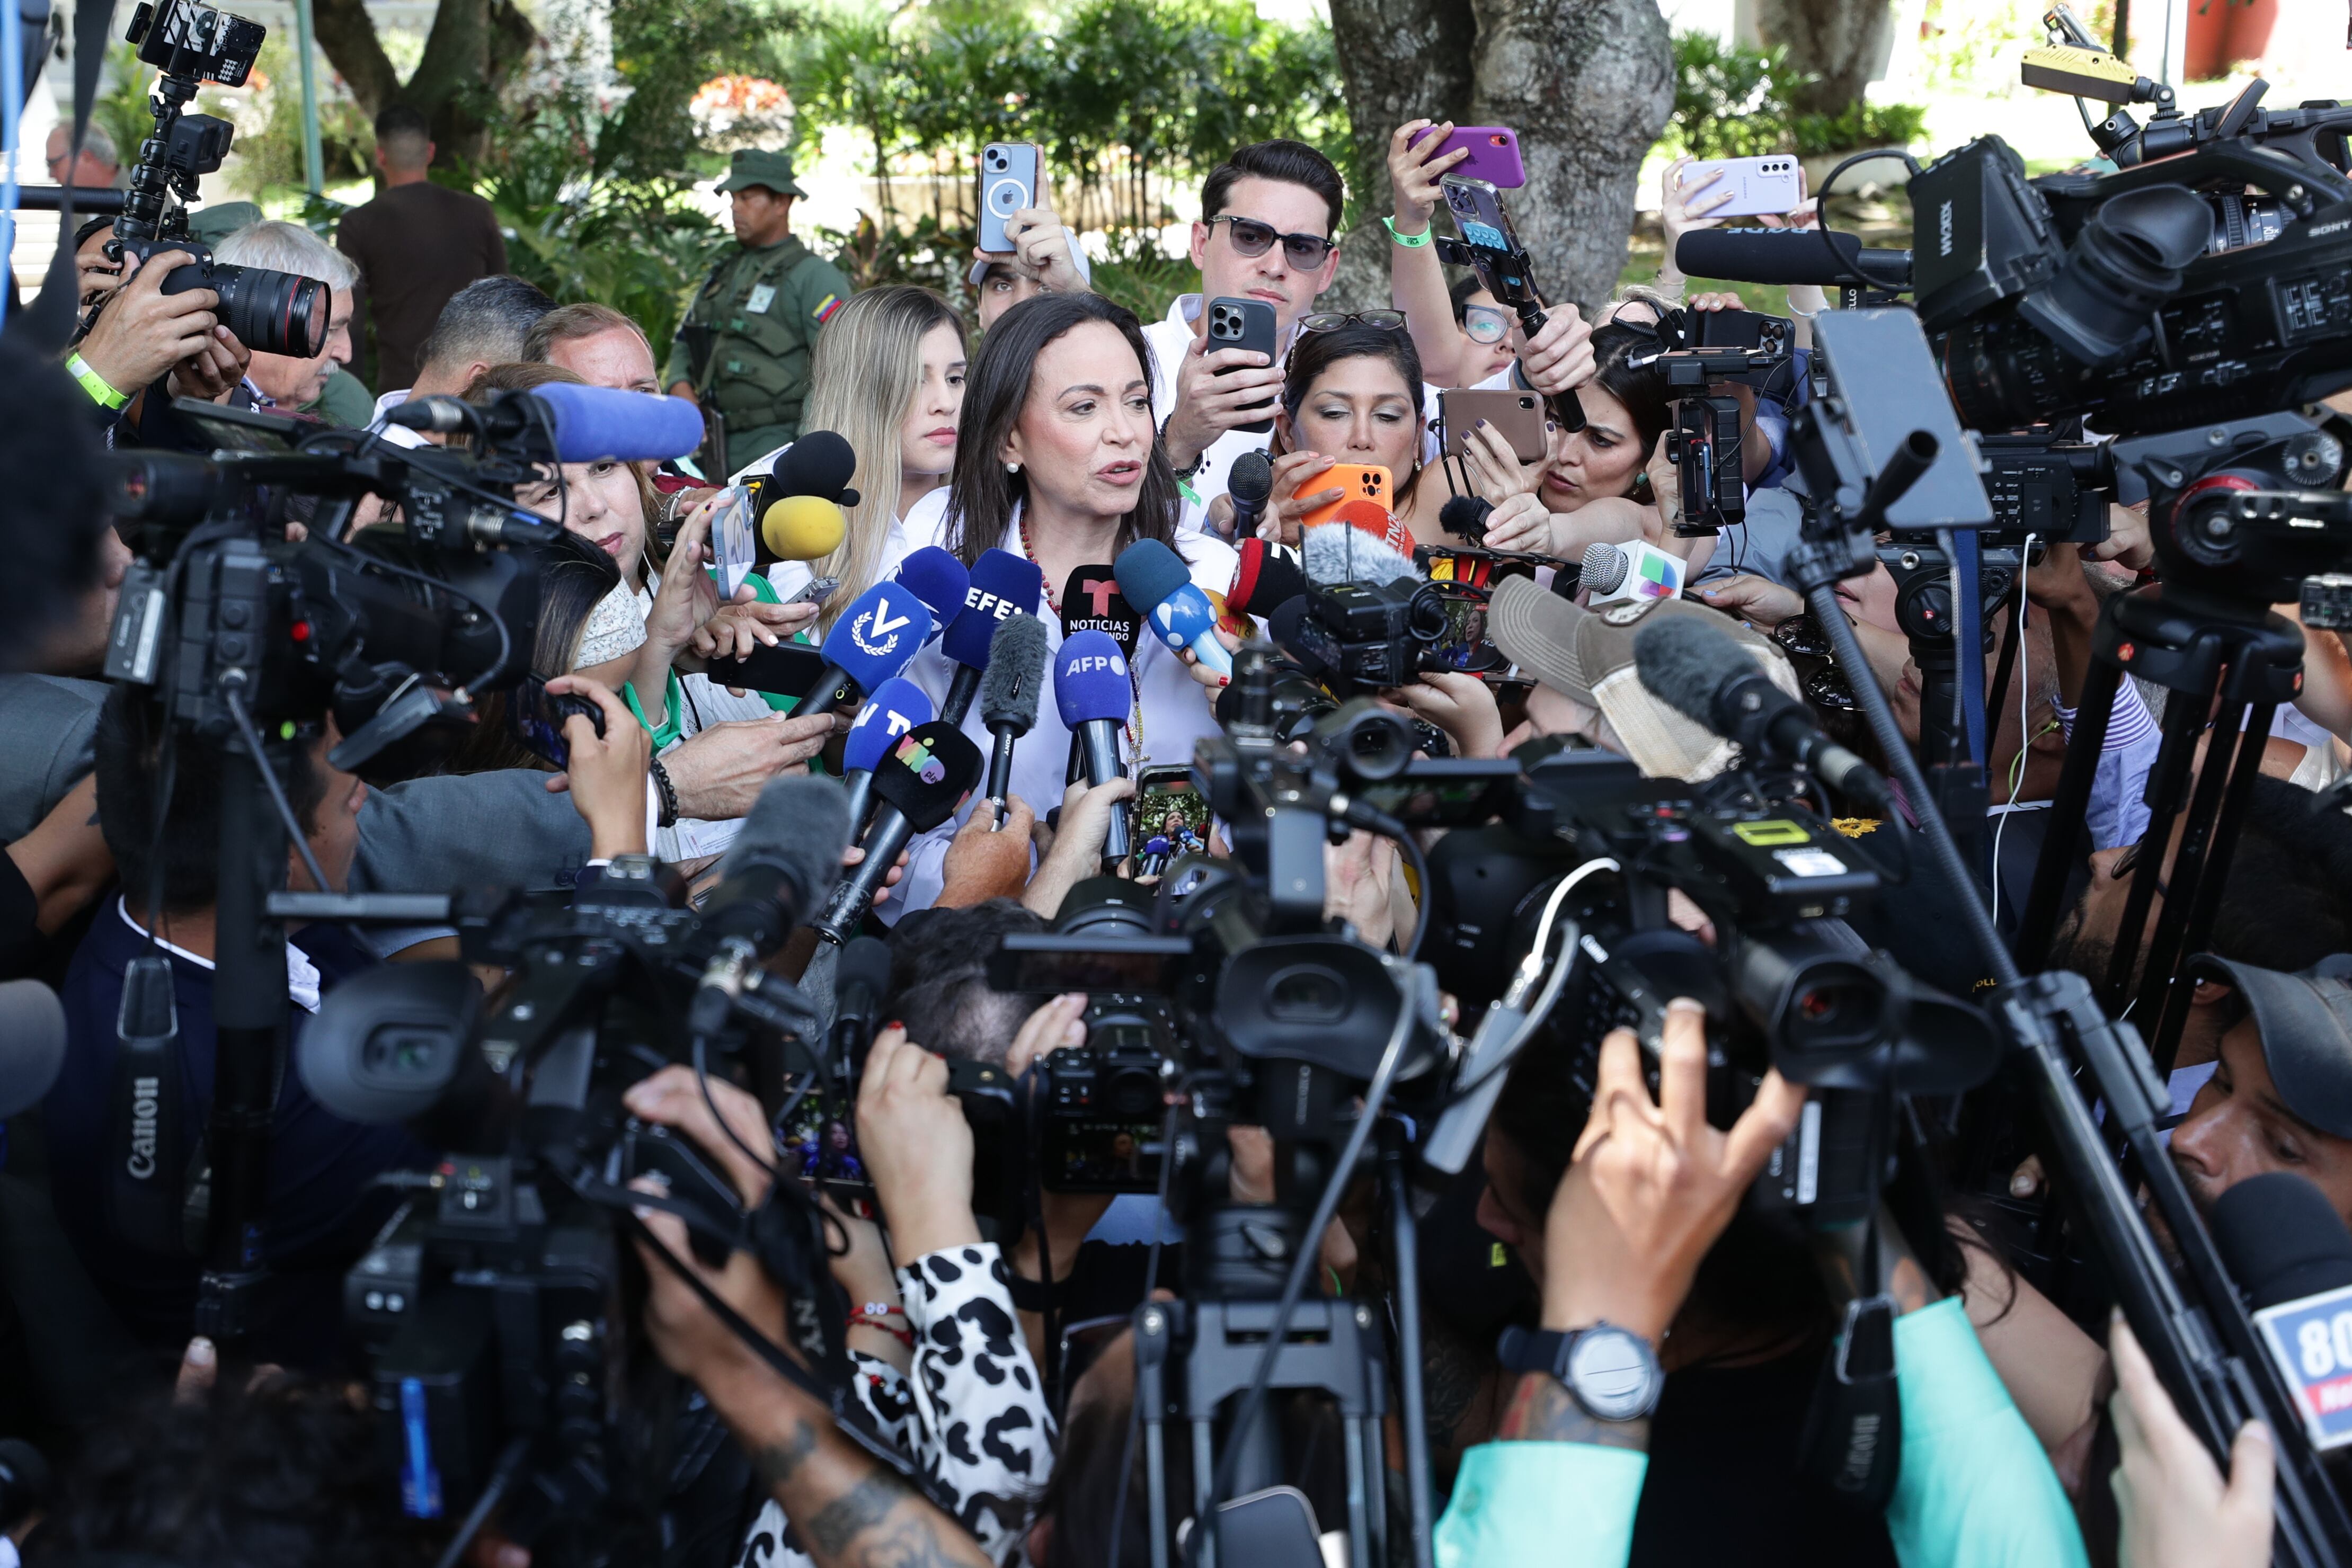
{"type": "Point", "coordinates": [883, 628]}
{"type": "Point", "coordinates": [940, 580]}
{"type": "Point", "coordinates": [1003, 585]}
{"type": "Point", "coordinates": [572, 424]}
{"type": "Point", "coordinates": [1635, 570]}
{"type": "Point", "coordinates": [896, 706]}
{"type": "Point", "coordinates": [1094, 693]}
{"type": "Point", "coordinates": [921, 781]}
{"type": "Point", "coordinates": [1009, 690]}
{"type": "Point", "coordinates": [1157, 581]}
{"type": "Point", "coordinates": [789, 851]}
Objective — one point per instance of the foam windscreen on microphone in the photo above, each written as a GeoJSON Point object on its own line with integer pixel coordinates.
{"type": "Point", "coordinates": [939, 579]}
{"type": "Point", "coordinates": [1090, 680]}
{"type": "Point", "coordinates": [2281, 1238]}
{"type": "Point", "coordinates": [1336, 553]}
{"type": "Point", "coordinates": [32, 1044]}
{"type": "Point", "coordinates": [1002, 584]}
{"type": "Point", "coordinates": [865, 963]}
{"type": "Point", "coordinates": [1147, 572]}
{"type": "Point", "coordinates": [802, 528]}
{"type": "Point", "coordinates": [820, 463]}
{"type": "Point", "coordinates": [928, 774]}
{"type": "Point", "coordinates": [1014, 681]}
{"type": "Point", "coordinates": [880, 630]}
{"type": "Point", "coordinates": [1251, 477]}
{"type": "Point", "coordinates": [1091, 602]}
{"type": "Point", "coordinates": [1464, 516]}
{"type": "Point", "coordinates": [1769, 255]}
{"type": "Point", "coordinates": [1267, 575]}
{"type": "Point", "coordinates": [598, 425]}
{"type": "Point", "coordinates": [893, 708]}
{"type": "Point", "coordinates": [1683, 662]}
{"type": "Point", "coordinates": [799, 825]}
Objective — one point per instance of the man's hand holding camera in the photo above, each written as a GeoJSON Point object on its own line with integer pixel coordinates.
{"type": "Point", "coordinates": [143, 332]}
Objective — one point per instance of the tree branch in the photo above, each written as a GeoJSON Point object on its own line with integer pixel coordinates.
{"type": "Point", "coordinates": [348, 39]}
{"type": "Point", "coordinates": [1399, 60]}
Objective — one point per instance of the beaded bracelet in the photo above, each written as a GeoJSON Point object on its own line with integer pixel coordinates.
{"type": "Point", "coordinates": [904, 1336]}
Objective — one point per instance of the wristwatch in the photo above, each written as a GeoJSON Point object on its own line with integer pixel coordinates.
{"type": "Point", "coordinates": [1612, 1373]}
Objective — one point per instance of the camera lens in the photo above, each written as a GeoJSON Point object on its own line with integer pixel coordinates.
{"type": "Point", "coordinates": [1131, 1094]}
{"type": "Point", "coordinates": [272, 312]}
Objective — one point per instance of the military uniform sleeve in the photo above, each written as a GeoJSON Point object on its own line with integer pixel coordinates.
{"type": "Point", "coordinates": [819, 291]}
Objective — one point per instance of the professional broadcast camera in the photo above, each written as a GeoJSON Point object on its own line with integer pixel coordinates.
{"type": "Point", "coordinates": [190, 43]}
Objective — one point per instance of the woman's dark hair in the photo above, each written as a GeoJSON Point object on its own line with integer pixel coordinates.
{"type": "Point", "coordinates": [981, 494]}
{"type": "Point", "coordinates": [1460, 290]}
{"type": "Point", "coordinates": [1316, 353]}
{"type": "Point", "coordinates": [575, 577]}
{"type": "Point", "coordinates": [1642, 390]}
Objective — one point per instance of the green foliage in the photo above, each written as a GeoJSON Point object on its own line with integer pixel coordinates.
{"type": "Point", "coordinates": [121, 105]}
{"type": "Point", "coordinates": [1733, 101]}
{"type": "Point", "coordinates": [664, 50]}
{"type": "Point", "coordinates": [271, 158]}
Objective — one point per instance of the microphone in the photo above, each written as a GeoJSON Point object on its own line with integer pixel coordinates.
{"type": "Point", "coordinates": [1009, 689]}
{"type": "Point", "coordinates": [1336, 553]}
{"type": "Point", "coordinates": [939, 579]}
{"type": "Point", "coordinates": [1635, 570]}
{"type": "Point", "coordinates": [1464, 516]}
{"type": "Point", "coordinates": [880, 630]}
{"type": "Point", "coordinates": [1701, 672]}
{"type": "Point", "coordinates": [820, 463]}
{"type": "Point", "coordinates": [787, 853]}
{"type": "Point", "coordinates": [1249, 482]}
{"type": "Point", "coordinates": [896, 706]}
{"type": "Point", "coordinates": [32, 1044]}
{"type": "Point", "coordinates": [2281, 1240]}
{"type": "Point", "coordinates": [1091, 602]}
{"type": "Point", "coordinates": [1155, 579]}
{"type": "Point", "coordinates": [804, 492]}
{"type": "Point", "coordinates": [1002, 584]}
{"type": "Point", "coordinates": [1094, 693]}
{"type": "Point", "coordinates": [921, 782]}
{"type": "Point", "coordinates": [800, 528]}
{"type": "Point", "coordinates": [1267, 575]}
{"type": "Point", "coordinates": [1788, 255]}
{"type": "Point", "coordinates": [575, 424]}
{"type": "Point", "coordinates": [861, 980]}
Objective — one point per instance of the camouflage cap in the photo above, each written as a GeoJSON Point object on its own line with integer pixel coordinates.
{"type": "Point", "coordinates": [211, 224]}
{"type": "Point", "coordinates": [752, 166]}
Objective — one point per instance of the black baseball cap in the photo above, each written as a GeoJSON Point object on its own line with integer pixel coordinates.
{"type": "Point", "coordinates": [2306, 1020]}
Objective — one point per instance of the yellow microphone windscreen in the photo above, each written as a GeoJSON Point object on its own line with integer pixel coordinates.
{"type": "Point", "coordinates": [802, 528]}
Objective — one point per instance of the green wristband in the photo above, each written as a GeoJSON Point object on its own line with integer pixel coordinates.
{"type": "Point", "coordinates": [101, 392]}
{"type": "Point", "coordinates": [1410, 242]}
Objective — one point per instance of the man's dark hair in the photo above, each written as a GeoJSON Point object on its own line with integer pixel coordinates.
{"type": "Point", "coordinates": [2288, 902]}
{"type": "Point", "coordinates": [1293, 162]}
{"type": "Point", "coordinates": [403, 134]}
{"type": "Point", "coordinates": [131, 729]}
{"type": "Point", "coordinates": [53, 515]}
{"type": "Point", "coordinates": [485, 322]}
{"type": "Point", "coordinates": [938, 980]}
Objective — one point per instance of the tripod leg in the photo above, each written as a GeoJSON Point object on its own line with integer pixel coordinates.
{"type": "Point", "coordinates": [2051, 873]}
{"type": "Point", "coordinates": [2184, 716]}
{"type": "Point", "coordinates": [2189, 862]}
{"type": "Point", "coordinates": [2164, 1045]}
{"type": "Point", "coordinates": [1359, 1516]}
{"type": "Point", "coordinates": [1404, 1242]}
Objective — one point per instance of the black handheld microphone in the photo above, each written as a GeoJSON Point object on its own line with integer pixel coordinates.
{"type": "Point", "coordinates": [2281, 1239]}
{"type": "Point", "coordinates": [788, 852]}
{"type": "Point", "coordinates": [1699, 671]}
{"type": "Point", "coordinates": [1009, 690]}
{"type": "Point", "coordinates": [1249, 482]}
{"type": "Point", "coordinates": [861, 980]}
{"type": "Point", "coordinates": [920, 783]}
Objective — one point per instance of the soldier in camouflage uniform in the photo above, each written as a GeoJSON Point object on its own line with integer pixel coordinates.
{"type": "Point", "coordinates": [742, 352]}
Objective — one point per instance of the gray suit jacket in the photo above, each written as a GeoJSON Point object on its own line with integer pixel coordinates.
{"type": "Point", "coordinates": [52, 721]}
{"type": "Point", "coordinates": [437, 834]}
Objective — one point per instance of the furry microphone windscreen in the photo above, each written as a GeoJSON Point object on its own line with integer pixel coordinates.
{"type": "Point", "coordinates": [1336, 553]}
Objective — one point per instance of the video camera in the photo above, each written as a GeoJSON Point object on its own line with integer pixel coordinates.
{"type": "Point", "coordinates": [1705, 349]}
{"type": "Point", "coordinates": [190, 43]}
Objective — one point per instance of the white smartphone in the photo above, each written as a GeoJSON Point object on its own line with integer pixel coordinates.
{"type": "Point", "coordinates": [1010, 173]}
{"type": "Point", "coordinates": [1759, 186]}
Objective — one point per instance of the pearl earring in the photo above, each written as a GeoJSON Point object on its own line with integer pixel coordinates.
{"type": "Point", "coordinates": [1013, 467]}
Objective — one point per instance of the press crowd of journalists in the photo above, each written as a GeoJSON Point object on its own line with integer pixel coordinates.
{"type": "Point", "coordinates": [1024, 463]}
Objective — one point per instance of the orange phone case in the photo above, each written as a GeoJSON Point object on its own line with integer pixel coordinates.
{"type": "Point", "coordinates": [1362, 482]}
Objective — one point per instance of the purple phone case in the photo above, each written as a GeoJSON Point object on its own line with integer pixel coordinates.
{"type": "Point", "coordinates": [1494, 154]}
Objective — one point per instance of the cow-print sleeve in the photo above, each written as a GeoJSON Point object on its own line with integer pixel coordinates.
{"type": "Point", "coordinates": [982, 1435]}
{"type": "Point", "coordinates": [883, 1391]}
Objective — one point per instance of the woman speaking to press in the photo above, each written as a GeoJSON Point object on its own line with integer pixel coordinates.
{"type": "Point", "coordinates": [1057, 462]}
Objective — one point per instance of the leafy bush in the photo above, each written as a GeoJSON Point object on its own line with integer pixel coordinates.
{"type": "Point", "coordinates": [1733, 101]}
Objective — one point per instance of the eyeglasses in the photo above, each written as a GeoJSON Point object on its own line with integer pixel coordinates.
{"type": "Point", "coordinates": [1333, 321]}
{"type": "Point", "coordinates": [1251, 237]}
{"type": "Point", "coordinates": [1485, 324]}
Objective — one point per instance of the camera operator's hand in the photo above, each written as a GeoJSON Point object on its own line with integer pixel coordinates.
{"type": "Point", "coordinates": [1208, 403]}
{"type": "Point", "coordinates": [1462, 705]}
{"type": "Point", "coordinates": [1251, 1180]}
{"type": "Point", "coordinates": [1495, 472]}
{"type": "Point", "coordinates": [1414, 169]}
{"type": "Point", "coordinates": [673, 1098]}
{"type": "Point", "coordinates": [1075, 852]}
{"type": "Point", "coordinates": [918, 1147]}
{"type": "Point", "coordinates": [2173, 1509]}
{"type": "Point", "coordinates": [1682, 208]}
{"type": "Point", "coordinates": [1358, 877]}
{"type": "Point", "coordinates": [1758, 600]}
{"type": "Point", "coordinates": [2128, 542]}
{"type": "Point", "coordinates": [607, 772]}
{"type": "Point", "coordinates": [144, 331]}
{"type": "Point", "coordinates": [1058, 1024]}
{"type": "Point", "coordinates": [1652, 1183]}
{"type": "Point", "coordinates": [1520, 522]}
{"type": "Point", "coordinates": [213, 372]}
{"type": "Point", "coordinates": [1560, 357]}
{"type": "Point", "coordinates": [1666, 498]}
{"type": "Point", "coordinates": [720, 771]}
{"type": "Point", "coordinates": [984, 861]}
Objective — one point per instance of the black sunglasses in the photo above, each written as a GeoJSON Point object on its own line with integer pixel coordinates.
{"type": "Point", "coordinates": [1251, 237]}
{"type": "Point", "coordinates": [1333, 321]}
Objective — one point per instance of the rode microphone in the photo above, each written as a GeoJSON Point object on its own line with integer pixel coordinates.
{"type": "Point", "coordinates": [1009, 690]}
{"type": "Point", "coordinates": [1002, 584]}
{"type": "Point", "coordinates": [1703, 672]}
{"type": "Point", "coordinates": [880, 630]}
{"type": "Point", "coordinates": [787, 854]}
{"type": "Point", "coordinates": [1094, 693]}
{"type": "Point", "coordinates": [939, 579]}
{"type": "Point", "coordinates": [1790, 255]}
{"type": "Point", "coordinates": [896, 706]}
{"type": "Point", "coordinates": [1091, 602]}
{"type": "Point", "coordinates": [1267, 575]}
{"type": "Point", "coordinates": [920, 783]}
{"type": "Point", "coordinates": [1336, 553]}
{"type": "Point", "coordinates": [577, 423]}
{"type": "Point", "coordinates": [1156, 580]}
{"type": "Point", "coordinates": [1249, 482]}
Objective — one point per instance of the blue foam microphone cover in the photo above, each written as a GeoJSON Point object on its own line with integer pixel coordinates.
{"type": "Point", "coordinates": [939, 579]}
{"type": "Point", "coordinates": [1002, 584]}
{"type": "Point", "coordinates": [1183, 620]}
{"type": "Point", "coordinates": [896, 706]}
{"type": "Point", "coordinates": [597, 425]}
{"type": "Point", "coordinates": [879, 631]}
{"type": "Point", "coordinates": [1147, 572]}
{"type": "Point", "coordinates": [1090, 680]}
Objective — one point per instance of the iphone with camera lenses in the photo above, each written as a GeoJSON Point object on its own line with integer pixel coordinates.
{"type": "Point", "coordinates": [1010, 173]}
{"type": "Point", "coordinates": [1365, 497]}
{"type": "Point", "coordinates": [535, 717]}
{"type": "Point", "coordinates": [1245, 324]}
{"type": "Point", "coordinates": [1759, 187]}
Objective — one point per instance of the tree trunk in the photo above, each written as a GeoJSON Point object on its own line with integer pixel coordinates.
{"type": "Point", "coordinates": [473, 48]}
{"type": "Point", "coordinates": [1400, 61]}
{"type": "Point", "coordinates": [1587, 84]}
{"type": "Point", "coordinates": [1841, 42]}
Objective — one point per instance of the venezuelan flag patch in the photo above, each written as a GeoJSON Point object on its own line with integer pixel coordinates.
{"type": "Point", "coordinates": [825, 307]}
